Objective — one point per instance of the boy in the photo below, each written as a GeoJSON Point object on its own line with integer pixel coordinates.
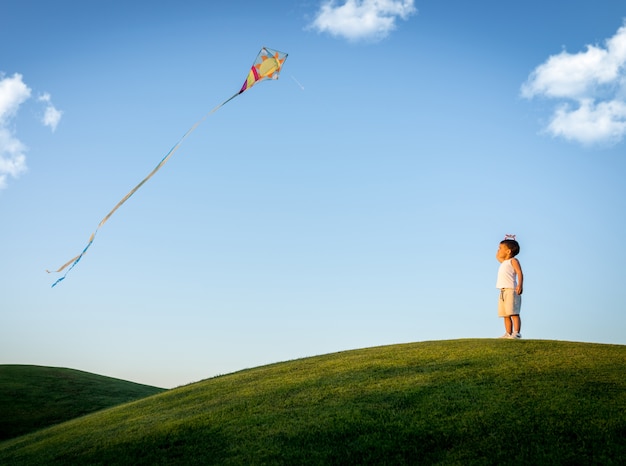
{"type": "Point", "coordinates": [511, 284]}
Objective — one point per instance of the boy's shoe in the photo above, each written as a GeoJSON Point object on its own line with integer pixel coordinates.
{"type": "Point", "coordinates": [516, 335]}
{"type": "Point", "coordinates": [507, 335]}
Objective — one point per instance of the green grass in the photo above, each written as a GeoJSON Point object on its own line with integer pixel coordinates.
{"type": "Point", "coordinates": [33, 397]}
{"type": "Point", "coordinates": [451, 402]}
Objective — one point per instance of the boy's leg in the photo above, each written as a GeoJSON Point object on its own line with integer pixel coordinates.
{"type": "Point", "coordinates": [517, 323]}
{"type": "Point", "coordinates": [508, 324]}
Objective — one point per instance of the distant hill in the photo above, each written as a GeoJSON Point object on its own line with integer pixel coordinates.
{"type": "Point", "coordinates": [33, 397]}
{"type": "Point", "coordinates": [460, 402]}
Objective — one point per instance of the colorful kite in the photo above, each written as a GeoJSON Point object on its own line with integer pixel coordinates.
{"type": "Point", "coordinates": [267, 65]}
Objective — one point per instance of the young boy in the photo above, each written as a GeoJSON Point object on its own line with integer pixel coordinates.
{"type": "Point", "coordinates": [511, 284]}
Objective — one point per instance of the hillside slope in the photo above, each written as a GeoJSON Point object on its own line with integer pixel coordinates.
{"type": "Point", "coordinates": [32, 397]}
{"type": "Point", "coordinates": [450, 402]}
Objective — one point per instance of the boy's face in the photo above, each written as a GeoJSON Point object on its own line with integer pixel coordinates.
{"type": "Point", "coordinates": [503, 253]}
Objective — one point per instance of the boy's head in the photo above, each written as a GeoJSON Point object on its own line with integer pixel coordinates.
{"type": "Point", "coordinates": [512, 246]}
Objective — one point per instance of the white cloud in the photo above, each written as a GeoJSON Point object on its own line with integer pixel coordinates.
{"type": "Point", "coordinates": [51, 116]}
{"type": "Point", "coordinates": [593, 84]}
{"type": "Point", "coordinates": [591, 123]}
{"type": "Point", "coordinates": [13, 93]}
{"type": "Point", "coordinates": [362, 19]}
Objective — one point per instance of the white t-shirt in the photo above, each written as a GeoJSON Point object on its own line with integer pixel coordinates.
{"type": "Point", "coordinates": [507, 278]}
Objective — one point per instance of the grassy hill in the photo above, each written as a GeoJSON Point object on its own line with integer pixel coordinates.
{"type": "Point", "coordinates": [32, 397]}
{"type": "Point", "coordinates": [450, 402]}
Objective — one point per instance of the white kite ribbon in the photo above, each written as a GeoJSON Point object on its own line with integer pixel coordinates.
{"type": "Point", "coordinates": [72, 262]}
{"type": "Point", "coordinates": [267, 65]}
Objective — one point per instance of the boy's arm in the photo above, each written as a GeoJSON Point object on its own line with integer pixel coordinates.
{"type": "Point", "coordinates": [520, 276]}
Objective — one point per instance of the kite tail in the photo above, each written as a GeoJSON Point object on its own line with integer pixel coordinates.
{"type": "Point", "coordinates": [72, 262]}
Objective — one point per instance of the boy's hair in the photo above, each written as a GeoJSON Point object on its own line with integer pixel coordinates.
{"type": "Point", "coordinates": [512, 245]}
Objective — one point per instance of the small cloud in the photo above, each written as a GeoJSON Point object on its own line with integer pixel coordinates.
{"type": "Point", "coordinates": [12, 157]}
{"type": "Point", "coordinates": [591, 122]}
{"type": "Point", "coordinates": [592, 84]}
{"type": "Point", "coordinates": [362, 19]}
{"type": "Point", "coordinates": [51, 116]}
{"type": "Point", "coordinates": [13, 93]}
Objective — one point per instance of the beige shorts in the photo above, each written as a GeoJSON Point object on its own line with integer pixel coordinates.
{"type": "Point", "coordinates": [509, 303]}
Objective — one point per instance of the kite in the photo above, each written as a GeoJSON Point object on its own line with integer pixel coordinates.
{"type": "Point", "coordinates": [267, 65]}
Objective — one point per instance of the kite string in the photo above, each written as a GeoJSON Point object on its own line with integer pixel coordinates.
{"type": "Point", "coordinates": [163, 161]}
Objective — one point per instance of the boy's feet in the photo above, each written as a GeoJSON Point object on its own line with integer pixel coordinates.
{"type": "Point", "coordinates": [516, 335]}
{"type": "Point", "coordinates": [507, 335]}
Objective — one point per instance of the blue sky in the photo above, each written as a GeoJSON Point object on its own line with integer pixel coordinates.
{"type": "Point", "coordinates": [357, 201]}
